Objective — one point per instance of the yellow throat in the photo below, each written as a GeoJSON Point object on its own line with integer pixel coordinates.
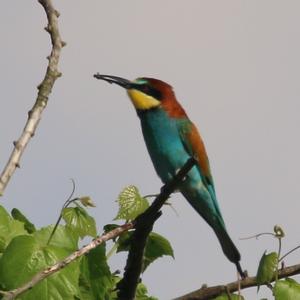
{"type": "Point", "coordinates": [141, 100]}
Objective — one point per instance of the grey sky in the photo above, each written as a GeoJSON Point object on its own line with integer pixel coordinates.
{"type": "Point", "coordinates": [234, 66]}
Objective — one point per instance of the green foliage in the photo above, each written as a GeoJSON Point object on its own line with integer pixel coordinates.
{"type": "Point", "coordinates": [109, 227]}
{"type": "Point", "coordinates": [17, 267]}
{"type": "Point", "coordinates": [131, 204]}
{"type": "Point", "coordinates": [287, 289]}
{"type": "Point", "coordinates": [63, 237]}
{"type": "Point", "coordinates": [25, 251]}
{"type": "Point", "coordinates": [9, 228]}
{"type": "Point", "coordinates": [17, 215]}
{"type": "Point", "coordinates": [79, 221]}
{"type": "Point", "coordinates": [267, 268]}
{"type": "Point", "coordinates": [141, 293]}
{"type": "Point", "coordinates": [96, 280]}
{"type": "Point", "coordinates": [156, 246]}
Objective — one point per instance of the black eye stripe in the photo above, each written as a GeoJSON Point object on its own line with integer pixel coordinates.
{"type": "Point", "coordinates": [145, 88]}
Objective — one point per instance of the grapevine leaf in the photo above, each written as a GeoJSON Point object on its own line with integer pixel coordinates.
{"type": "Point", "coordinates": [266, 269]}
{"type": "Point", "coordinates": [63, 237]}
{"type": "Point", "coordinates": [287, 289]}
{"type": "Point", "coordinates": [131, 204]}
{"type": "Point", "coordinates": [96, 277]}
{"type": "Point", "coordinates": [79, 221]}
{"type": "Point", "coordinates": [18, 267]}
{"type": "Point", "coordinates": [156, 246]}
{"type": "Point", "coordinates": [9, 228]}
{"type": "Point", "coordinates": [17, 215]}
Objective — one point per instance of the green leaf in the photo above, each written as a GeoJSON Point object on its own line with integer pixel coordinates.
{"type": "Point", "coordinates": [24, 257]}
{"type": "Point", "coordinates": [141, 293]}
{"type": "Point", "coordinates": [156, 246]}
{"type": "Point", "coordinates": [110, 227]}
{"type": "Point", "coordinates": [96, 279]}
{"type": "Point", "coordinates": [9, 228]}
{"type": "Point", "coordinates": [63, 237]}
{"type": "Point", "coordinates": [5, 218]}
{"type": "Point", "coordinates": [131, 204]}
{"type": "Point", "coordinates": [17, 215]}
{"type": "Point", "coordinates": [267, 268]}
{"type": "Point", "coordinates": [2, 244]}
{"type": "Point", "coordinates": [232, 297]}
{"type": "Point", "coordinates": [79, 221]}
{"type": "Point", "coordinates": [113, 295]}
{"type": "Point", "coordinates": [287, 289]}
{"type": "Point", "coordinates": [124, 241]}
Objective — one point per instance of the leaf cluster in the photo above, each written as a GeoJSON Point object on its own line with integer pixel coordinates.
{"type": "Point", "coordinates": [285, 289]}
{"type": "Point", "coordinates": [25, 251]}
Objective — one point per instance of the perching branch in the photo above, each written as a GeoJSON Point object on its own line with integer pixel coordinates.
{"type": "Point", "coordinates": [44, 90]}
{"type": "Point", "coordinates": [9, 295]}
{"type": "Point", "coordinates": [143, 226]}
{"type": "Point", "coordinates": [206, 293]}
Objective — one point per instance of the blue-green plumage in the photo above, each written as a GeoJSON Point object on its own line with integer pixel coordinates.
{"type": "Point", "coordinates": [168, 154]}
{"type": "Point", "coordinates": [163, 143]}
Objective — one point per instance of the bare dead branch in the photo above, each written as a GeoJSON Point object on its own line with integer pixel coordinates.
{"type": "Point", "coordinates": [9, 295]}
{"type": "Point", "coordinates": [206, 293]}
{"type": "Point", "coordinates": [44, 90]}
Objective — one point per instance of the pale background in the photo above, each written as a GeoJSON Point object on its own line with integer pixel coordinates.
{"type": "Point", "coordinates": [235, 68]}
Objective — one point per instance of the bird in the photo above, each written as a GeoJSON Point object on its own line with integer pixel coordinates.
{"type": "Point", "coordinates": [171, 139]}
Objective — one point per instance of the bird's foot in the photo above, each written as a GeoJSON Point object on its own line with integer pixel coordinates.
{"type": "Point", "coordinates": [242, 273]}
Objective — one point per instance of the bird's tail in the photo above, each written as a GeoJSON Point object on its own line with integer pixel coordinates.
{"type": "Point", "coordinates": [207, 207]}
{"type": "Point", "coordinates": [228, 247]}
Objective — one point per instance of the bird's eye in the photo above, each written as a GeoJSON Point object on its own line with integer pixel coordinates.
{"type": "Point", "coordinates": [146, 89]}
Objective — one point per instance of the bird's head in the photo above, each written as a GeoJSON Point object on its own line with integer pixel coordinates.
{"type": "Point", "coordinates": [145, 93]}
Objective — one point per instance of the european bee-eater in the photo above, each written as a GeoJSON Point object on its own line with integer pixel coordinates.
{"type": "Point", "coordinates": [171, 139]}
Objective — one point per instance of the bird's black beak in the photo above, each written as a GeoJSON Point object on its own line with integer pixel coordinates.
{"type": "Point", "coordinates": [115, 79]}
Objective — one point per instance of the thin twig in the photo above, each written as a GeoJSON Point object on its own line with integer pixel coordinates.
{"type": "Point", "coordinates": [44, 90]}
{"type": "Point", "coordinates": [214, 291]}
{"type": "Point", "coordinates": [143, 226]}
{"type": "Point", "coordinates": [279, 248]}
{"type": "Point", "coordinates": [256, 236]}
{"type": "Point", "coordinates": [66, 204]}
{"type": "Point", "coordinates": [9, 295]}
{"type": "Point", "coordinates": [289, 252]}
